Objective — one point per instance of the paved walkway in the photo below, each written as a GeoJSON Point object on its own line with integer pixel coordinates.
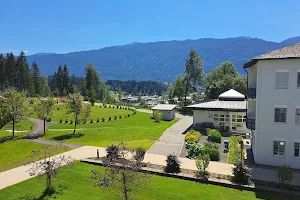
{"type": "Point", "coordinates": [38, 127]}
{"type": "Point", "coordinates": [48, 142]}
{"type": "Point", "coordinates": [20, 174]}
{"type": "Point", "coordinates": [172, 140]}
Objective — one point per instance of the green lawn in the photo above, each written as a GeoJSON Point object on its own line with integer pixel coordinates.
{"type": "Point", "coordinates": [60, 113]}
{"type": "Point", "coordinates": [14, 153]}
{"type": "Point", "coordinates": [136, 131]}
{"type": "Point", "coordinates": [75, 183]}
{"type": "Point", "coordinates": [23, 125]}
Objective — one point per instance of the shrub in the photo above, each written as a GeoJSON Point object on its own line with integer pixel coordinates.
{"type": "Point", "coordinates": [139, 154]}
{"type": "Point", "coordinates": [194, 150]}
{"type": "Point", "coordinates": [60, 121]}
{"type": "Point", "coordinates": [57, 108]}
{"type": "Point", "coordinates": [128, 115]}
{"type": "Point", "coordinates": [241, 174]}
{"type": "Point", "coordinates": [112, 152]}
{"type": "Point", "coordinates": [98, 120]}
{"type": "Point", "coordinates": [109, 118]}
{"type": "Point", "coordinates": [113, 107]}
{"type": "Point", "coordinates": [109, 106]}
{"type": "Point", "coordinates": [157, 116]}
{"type": "Point", "coordinates": [71, 122]}
{"type": "Point", "coordinates": [49, 119]}
{"type": "Point", "coordinates": [173, 164]}
{"type": "Point", "coordinates": [91, 121]}
{"type": "Point", "coordinates": [103, 119]}
{"type": "Point", "coordinates": [66, 121]}
{"type": "Point", "coordinates": [212, 151]}
{"type": "Point", "coordinates": [284, 174]}
{"type": "Point", "coordinates": [192, 136]}
{"type": "Point", "coordinates": [202, 163]}
{"type": "Point", "coordinates": [214, 135]}
{"type": "Point", "coordinates": [120, 117]}
{"type": "Point", "coordinates": [116, 117]}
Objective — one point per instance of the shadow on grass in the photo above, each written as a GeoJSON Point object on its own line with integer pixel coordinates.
{"type": "Point", "coordinates": [9, 138]}
{"type": "Point", "coordinates": [68, 136]}
{"type": "Point", "coordinates": [275, 196]}
{"type": "Point", "coordinates": [53, 193]}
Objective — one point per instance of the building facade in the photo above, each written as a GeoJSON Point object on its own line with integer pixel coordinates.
{"type": "Point", "coordinates": [273, 109]}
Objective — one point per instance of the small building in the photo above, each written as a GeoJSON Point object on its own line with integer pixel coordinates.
{"type": "Point", "coordinates": [228, 112]}
{"type": "Point", "coordinates": [167, 110]}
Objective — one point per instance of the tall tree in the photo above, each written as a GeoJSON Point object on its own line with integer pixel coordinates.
{"type": "Point", "coordinates": [24, 73]}
{"type": "Point", "coordinates": [59, 80]}
{"type": "Point", "coordinates": [44, 109]}
{"type": "Point", "coordinates": [35, 74]}
{"type": "Point", "coordinates": [3, 77]}
{"type": "Point", "coordinates": [65, 80]}
{"type": "Point", "coordinates": [10, 69]}
{"type": "Point", "coordinates": [179, 87]}
{"type": "Point", "coordinates": [14, 101]}
{"type": "Point", "coordinates": [193, 71]}
{"type": "Point", "coordinates": [223, 78]}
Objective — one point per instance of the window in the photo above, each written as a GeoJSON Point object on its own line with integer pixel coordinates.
{"type": "Point", "coordinates": [297, 117]}
{"type": "Point", "coordinates": [278, 147]}
{"type": "Point", "coordinates": [296, 149]}
{"type": "Point", "coordinates": [280, 115]}
{"type": "Point", "coordinates": [282, 80]}
{"type": "Point", "coordinates": [298, 79]}
{"type": "Point", "coordinates": [237, 120]}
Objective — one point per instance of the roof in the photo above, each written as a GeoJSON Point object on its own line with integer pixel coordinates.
{"type": "Point", "coordinates": [292, 51]}
{"type": "Point", "coordinates": [232, 94]}
{"type": "Point", "coordinates": [164, 107]}
{"type": "Point", "coordinates": [220, 105]}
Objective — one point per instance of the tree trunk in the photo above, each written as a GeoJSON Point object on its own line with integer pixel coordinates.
{"type": "Point", "coordinates": [44, 125]}
{"type": "Point", "coordinates": [125, 191]}
{"type": "Point", "coordinates": [49, 188]}
{"type": "Point", "coordinates": [13, 127]}
{"type": "Point", "coordinates": [75, 123]}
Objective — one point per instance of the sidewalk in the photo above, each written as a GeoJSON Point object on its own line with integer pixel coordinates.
{"type": "Point", "coordinates": [172, 140]}
{"type": "Point", "coordinates": [20, 174]}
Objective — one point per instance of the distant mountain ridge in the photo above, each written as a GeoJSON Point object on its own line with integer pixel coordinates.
{"type": "Point", "coordinates": [159, 61]}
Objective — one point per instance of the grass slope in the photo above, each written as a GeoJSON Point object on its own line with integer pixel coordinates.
{"type": "Point", "coordinates": [60, 113]}
{"type": "Point", "coordinates": [15, 153]}
{"type": "Point", "coordinates": [75, 183]}
{"type": "Point", "coordinates": [136, 131]}
{"type": "Point", "coordinates": [23, 125]}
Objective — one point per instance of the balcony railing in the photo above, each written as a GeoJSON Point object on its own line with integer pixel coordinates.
{"type": "Point", "coordinates": [251, 93]}
{"type": "Point", "coordinates": [250, 123]}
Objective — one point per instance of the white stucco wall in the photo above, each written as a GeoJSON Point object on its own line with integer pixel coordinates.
{"type": "Point", "coordinates": [267, 99]}
{"type": "Point", "coordinates": [167, 115]}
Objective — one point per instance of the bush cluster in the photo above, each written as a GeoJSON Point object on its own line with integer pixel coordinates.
{"type": "Point", "coordinates": [194, 150]}
{"type": "Point", "coordinates": [214, 135]}
{"type": "Point", "coordinates": [173, 164]}
{"type": "Point", "coordinates": [211, 149]}
{"type": "Point", "coordinates": [192, 136]}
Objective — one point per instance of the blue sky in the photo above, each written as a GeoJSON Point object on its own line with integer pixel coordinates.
{"type": "Point", "coordinates": [62, 26]}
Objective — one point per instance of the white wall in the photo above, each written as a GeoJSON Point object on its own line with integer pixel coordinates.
{"type": "Point", "coordinates": [167, 115]}
{"type": "Point", "coordinates": [267, 97]}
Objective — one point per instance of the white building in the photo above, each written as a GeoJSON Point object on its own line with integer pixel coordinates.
{"type": "Point", "coordinates": [227, 111]}
{"type": "Point", "coordinates": [274, 106]}
{"type": "Point", "coordinates": [167, 110]}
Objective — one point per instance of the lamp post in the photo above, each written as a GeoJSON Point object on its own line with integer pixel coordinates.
{"type": "Point", "coordinates": [242, 148]}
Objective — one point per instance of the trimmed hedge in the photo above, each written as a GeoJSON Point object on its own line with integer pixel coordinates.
{"type": "Point", "coordinates": [212, 149]}
{"type": "Point", "coordinates": [214, 135]}
{"type": "Point", "coordinates": [234, 152]}
{"type": "Point", "coordinates": [192, 136]}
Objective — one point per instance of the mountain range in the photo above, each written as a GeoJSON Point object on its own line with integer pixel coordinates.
{"type": "Point", "coordinates": [159, 61]}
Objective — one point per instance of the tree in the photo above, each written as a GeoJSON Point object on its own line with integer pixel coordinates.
{"type": "Point", "coordinates": [202, 163]}
{"type": "Point", "coordinates": [157, 116]}
{"type": "Point", "coordinates": [179, 87]}
{"type": "Point", "coordinates": [173, 164]}
{"type": "Point", "coordinates": [163, 98]}
{"type": "Point", "coordinates": [14, 101]}
{"type": "Point", "coordinates": [75, 104]}
{"type": "Point", "coordinates": [65, 80]}
{"type": "Point", "coordinates": [121, 172]}
{"type": "Point", "coordinates": [284, 174]}
{"type": "Point", "coordinates": [3, 77]}
{"type": "Point", "coordinates": [223, 78]}
{"type": "Point", "coordinates": [35, 74]}
{"type": "Point", "coordinates": [78, 108]}
{"type": "Point", "coordinates": [49, 165]}
{"type": "Point", "coordinates": [44, 109]}
{"type": "Point", "coordinates": [140, 96]}
{"type": "Point", "coordinates": [170, 93]}
{"type": "Point", "coordinates": [193, 71]}
{"type": "Point", "coordinates": [59, 80]}
{"type": "Point", "coordinates": [120, 93]}
{"type": "Point", "coordinates": [241, 174]}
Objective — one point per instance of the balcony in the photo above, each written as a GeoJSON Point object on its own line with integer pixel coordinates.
{"type": "Point", "coordinates": [251, 93]}
{"type": "Point", "coordinates": [250, 123]}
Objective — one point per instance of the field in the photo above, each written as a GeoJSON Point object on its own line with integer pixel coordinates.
{"type": "Point", "coordinates": [136, 131]}
{"type": "Point", "coordinates": [23, 125]}
{"type": "Point", "coordinates": [76, 183]}
{"type": "Point", "coordinates": [60, 112]}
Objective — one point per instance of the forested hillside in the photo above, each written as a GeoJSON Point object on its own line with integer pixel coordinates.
{"type": "Point", "coordinates": [160, 61]}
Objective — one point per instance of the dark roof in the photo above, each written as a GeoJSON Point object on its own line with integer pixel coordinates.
{"type": "Point", "coordinates": [292, 52]}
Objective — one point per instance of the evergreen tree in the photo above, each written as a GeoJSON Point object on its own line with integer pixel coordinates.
{"type": "Point", "coordinates": [35, 74]}
{"type": "Point", "coordinates": [24, 73]}
{"type": "Point", "coordinates": [65, 80]}
{"type": "Point", "coordinates": [9, 69]}
{"type": "Point", "coordinates": [2, 73]}
{"type": "Point", "coordinates": [59, 80]}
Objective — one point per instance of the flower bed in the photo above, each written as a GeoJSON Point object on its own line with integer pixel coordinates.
{"type": "Point", "coordinates": [192, 136]}
{"type": "Point", "coordinates": [214, 135]}
{"type": "Point", "coordinates": [234, 153]}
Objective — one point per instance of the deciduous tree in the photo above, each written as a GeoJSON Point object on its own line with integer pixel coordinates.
{"type": "Point", "coordinates": [44, 109]}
